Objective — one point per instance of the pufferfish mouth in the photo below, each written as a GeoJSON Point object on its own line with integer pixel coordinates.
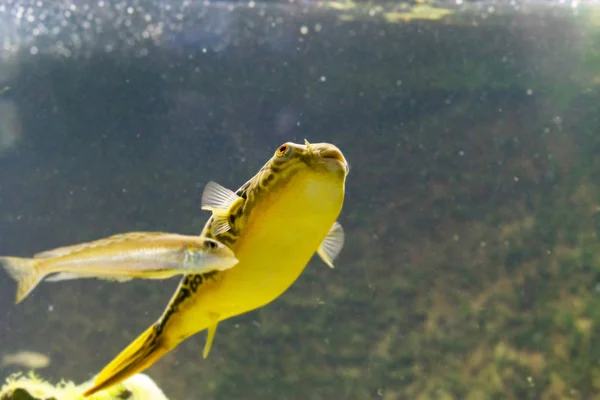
{"type": "Point", "coordinates": [335, 154]}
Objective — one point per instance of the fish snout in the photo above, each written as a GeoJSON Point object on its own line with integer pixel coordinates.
{"type": "Point", "coordinates": [222, 260]}
{"type": "Point", "coordinates": [228, 262]}
{"type": "Point", "coordinates": [331, 152]}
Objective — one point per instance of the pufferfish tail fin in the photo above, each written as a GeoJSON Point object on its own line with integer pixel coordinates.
{"type": "Point", "coordinates": [138, 356]}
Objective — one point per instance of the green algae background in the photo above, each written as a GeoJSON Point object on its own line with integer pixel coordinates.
{"type": "Point", "coordinates": [472, 216]}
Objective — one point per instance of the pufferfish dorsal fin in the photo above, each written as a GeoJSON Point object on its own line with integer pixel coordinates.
{"type": "Point", "coordinates": [332, 244]}
{"type": "Point", "coordinates": [220, 201]}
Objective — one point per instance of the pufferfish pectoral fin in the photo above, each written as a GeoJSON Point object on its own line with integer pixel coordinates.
{"type": "Point", "coordinates": [332, 244]}
{"type": "Point", "coordinates": [220, 201]}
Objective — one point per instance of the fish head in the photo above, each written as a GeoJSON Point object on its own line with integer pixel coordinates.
{"type": "Point", "coordinates": [306, 178]}
{"type": "Point", "coordinates": [212, 254]}
{"type": "Point", "coordinates": [325, 158]}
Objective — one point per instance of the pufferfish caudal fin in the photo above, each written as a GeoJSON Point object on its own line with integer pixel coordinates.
{"type": "Point", "coordinates": [221, 201]}
{"type": "Point", "coordinates": [138, 356]}
{"type": "Point", "coordinates": [25, 272]}
{"type": "Point", "coordinates": [332, 244]}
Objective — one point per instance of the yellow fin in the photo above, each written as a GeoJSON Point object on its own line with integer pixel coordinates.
{"type": "Point", "coordinates": [138, 356]}
{"type": "Point", "coordinates": [332, 244]}
{"type": "Point", "coordinates": [219, 200]}
{"type": "Point", "coordinates": [210, 336]}
{"type": "Point", "coordinates": [24, 272]}
{"type": "Point", "coordinates": [220, 224]}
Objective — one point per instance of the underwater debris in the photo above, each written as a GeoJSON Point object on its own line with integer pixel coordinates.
{"type": "Point", "coordinates": [32, 387]}
{"type": "Point", "coordinates": [27, 359]}
{"type": "Point", "coordinates": [10, 123]}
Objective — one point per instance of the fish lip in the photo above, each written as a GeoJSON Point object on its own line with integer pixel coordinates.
{"type": "Point", "coordinates": [335, 154]}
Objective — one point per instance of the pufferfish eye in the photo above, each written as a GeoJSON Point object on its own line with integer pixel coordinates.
{"type": "Point", "coordinates": [283, 150]}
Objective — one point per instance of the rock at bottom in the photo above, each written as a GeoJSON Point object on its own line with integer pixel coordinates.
{"type": "Point", "coordinates": [31, 387]}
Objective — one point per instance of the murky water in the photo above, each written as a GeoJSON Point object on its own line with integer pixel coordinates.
{"type": "Point", "coordinates": [470, 269]}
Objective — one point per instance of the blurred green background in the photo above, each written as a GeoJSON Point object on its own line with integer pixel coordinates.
{"type": "Point", "coordinates": [471, 264]}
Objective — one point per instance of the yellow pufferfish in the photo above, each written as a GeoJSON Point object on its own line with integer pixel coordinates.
{"type": "Point", "coordinates": [274, 224]}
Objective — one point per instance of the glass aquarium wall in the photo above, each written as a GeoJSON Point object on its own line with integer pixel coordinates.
{"type": "Point", "coordinates": [470, 268]}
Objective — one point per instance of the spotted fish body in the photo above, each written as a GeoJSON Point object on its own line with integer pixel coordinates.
{"type": "Point", "coordinates": [274, 224]}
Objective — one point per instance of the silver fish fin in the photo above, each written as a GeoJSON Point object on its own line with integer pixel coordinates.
{"type": "Point", "coordinates": [332, 244]}
{"type": "Point", "coordinates": [25, 272]}
{"type": "Point", "coordinates": [212, 329]}
{"type": "Point", "coordinates": [64, 276]}
{"type": "Point", "coordinates": [61, 251]}
{"type": "Point", "coordinates": [217, 198]}
{"type": "Point", "coordinates": [115, 278]}
{"type": "Point", "coordinates": [66, 250]}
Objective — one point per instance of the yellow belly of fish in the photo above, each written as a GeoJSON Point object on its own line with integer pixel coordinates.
{"type": "Point", "coordinates": [278, 241]}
